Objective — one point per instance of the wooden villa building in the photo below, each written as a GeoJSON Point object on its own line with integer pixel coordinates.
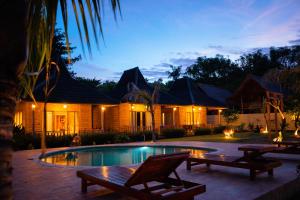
{"type": "Point", "coordinates": [74, 107]}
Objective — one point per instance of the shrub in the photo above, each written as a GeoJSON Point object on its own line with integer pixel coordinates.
{"type": "Point", "coordinates": [141, 136]}
{"type": "Point", "coordinates": [122, 138]}
{"type": "Point", "coordinates": [202, 131]}
{"type": "Point", "coordinates": [251, 126]}
{"type": "Point", "coordinates": [219, 129]}
{"type": "Point", "coordinates": [241, 127]}
{"type": "Point", "coordinates": [98, 138]}
{"type": "Point", "coordinates": [173, 132]}
{"type": "Point", "coordinates": [230, 116]}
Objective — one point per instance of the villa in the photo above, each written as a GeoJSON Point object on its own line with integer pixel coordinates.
{"type": "Point", "coordinates": [74, 107]}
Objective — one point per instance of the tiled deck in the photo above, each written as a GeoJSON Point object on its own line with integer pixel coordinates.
{"type": "Point", "coordinates": [35, 181]}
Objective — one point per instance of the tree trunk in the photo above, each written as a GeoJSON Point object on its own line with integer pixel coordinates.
{"type": "Point", "coordinates": [43, 136]}
{"type": "Point", "coordinates": [153, 123]}
{"type": "Point", "coordinates": [13, 47]}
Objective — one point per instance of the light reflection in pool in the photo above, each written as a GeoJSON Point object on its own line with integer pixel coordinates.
{"type": "Point", "coordinates": [109, 156]}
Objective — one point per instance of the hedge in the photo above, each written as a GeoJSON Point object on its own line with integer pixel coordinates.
{"type": "Point", "coordinates": [173, 132]}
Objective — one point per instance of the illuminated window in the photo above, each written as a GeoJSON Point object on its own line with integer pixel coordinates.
{"type": "Point", "coordinates": [18, 118]}
{"type": "Point", "coordinates": [188, 118]}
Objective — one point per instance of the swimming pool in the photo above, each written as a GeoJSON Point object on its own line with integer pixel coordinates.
{"type": "Point", "coordinates": [113, 155]}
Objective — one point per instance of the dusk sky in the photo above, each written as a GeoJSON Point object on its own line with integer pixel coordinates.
{"type": "Point", "coordinates": [155, 33]}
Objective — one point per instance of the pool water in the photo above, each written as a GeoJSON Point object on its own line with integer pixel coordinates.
{"type": "Point", "coordinates": [110, 156]}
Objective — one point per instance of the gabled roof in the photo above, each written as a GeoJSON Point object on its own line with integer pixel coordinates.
{"type": "Point", "coordinates": [267, 85]}
{"type": "Point", "coordinates": [187, 91]}
{"type": "Point", "coordinates": [216, 93]}
{"type": "Point", "coordinates": [128, 77]}
{"type": "Point", "coordinates": [69, 90]}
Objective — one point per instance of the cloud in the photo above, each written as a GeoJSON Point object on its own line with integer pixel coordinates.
{"type": "Point", "coordinates": [227, 50]}
{"type": "Point", "coordinates": [182, 61]}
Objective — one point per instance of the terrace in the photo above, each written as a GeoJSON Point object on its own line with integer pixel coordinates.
{"type": "Point", "coordinates": [35, 180]}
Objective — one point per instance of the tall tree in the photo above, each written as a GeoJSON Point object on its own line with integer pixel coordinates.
{"type": "Point", "coordinates": [175, 72]}
{"type": "Point", "coordinates": [219, 71]}
{"type": "Point", "coordinates": [26, 36]}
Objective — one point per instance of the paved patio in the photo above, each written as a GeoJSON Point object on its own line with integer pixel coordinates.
{"type": "Point", "coordinates": [33, 180]}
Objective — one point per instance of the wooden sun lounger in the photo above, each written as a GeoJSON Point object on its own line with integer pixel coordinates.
{"type": "Point", "coordinates": [150, 181]}
{"type": "Point", "coordinates": [255, 166]}
{"type": "Point", "coordinates": [287, 147]}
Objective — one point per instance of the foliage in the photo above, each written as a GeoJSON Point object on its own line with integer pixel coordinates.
{"type": "Point", "coordinates": [241, 127]}
{"type": "Point", "coordinates": [218, 129]}
{"type": "Point", "coordinates": [223, 72]}
{"type": "Point", "coordinates": [202, 131]}
{"type": "Point", "coordinates": [173, 132]}
{"type": "Point", "coordinates": [251, 126]}
{"type": "Point", "coordinates": [175, 72]}
{"type": "Point", "coordinates": [230, 115]}
{"type": "Point", "coordinates": [142, 136]}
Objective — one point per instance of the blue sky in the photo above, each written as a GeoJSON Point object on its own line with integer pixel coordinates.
{"type": "Point", "coordinates": [155, 33]}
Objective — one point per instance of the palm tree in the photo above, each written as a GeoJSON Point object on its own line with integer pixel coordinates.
{"type": "Point", "coordinates": [27, 30]}
{"type": "Point", "coordinates": [135, 94]}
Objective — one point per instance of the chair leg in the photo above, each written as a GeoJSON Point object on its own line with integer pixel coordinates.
{"type": "Point", "coordinates": [188, 165]}
{"type": "Point", "coordinates": [270, 172]}
{"type": "Point", "coordinates": [252, 174]}
{"type": "Point", "coordinates": [83, 185]}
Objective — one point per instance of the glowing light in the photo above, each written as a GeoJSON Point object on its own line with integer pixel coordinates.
{"type": "Point", "coordinates": [200, 109]}
{"type": "Point", "coordinates": [193, 109]}
{"type": "Point", "coordinates": [279, 138]}
{"type": "Point", "coordinates": [132, 107]}
{"type": "Point", "coordinates": [296, 133]}
{"type": "Point", "coordinates": [102, 108]}
{"type": "Point", "coordinates": [228, 133]}
{"type": "Point", "coordinates": [220, 111]}
{"type": "Point", "coordinates": [174, 109]}
{"type": "Point", "coordinates": [144, 147]}
{"type": "Point", "coordinates": [33, 106]}
{"type": "Point", "coordinates": [65, 106]}
{"type": "Point", "coordinates": [266, 130]}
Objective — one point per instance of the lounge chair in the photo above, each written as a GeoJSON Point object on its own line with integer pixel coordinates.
{"type": "Point", "coordinates": [287, 147]}
{"type": "Point", "coordinates": [150, 181]}
{"type": "Point", "coordinates": [256, 165]}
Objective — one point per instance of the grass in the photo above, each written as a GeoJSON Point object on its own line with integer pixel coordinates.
{"type": "Point", "coordinates": [243, 137]}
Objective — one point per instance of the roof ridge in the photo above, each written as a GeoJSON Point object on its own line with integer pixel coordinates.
{"type": "Point", "coordinates": [190, 90]}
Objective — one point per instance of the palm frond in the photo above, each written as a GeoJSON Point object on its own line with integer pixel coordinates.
{"type": "Point", "coordinates": [40, 31]}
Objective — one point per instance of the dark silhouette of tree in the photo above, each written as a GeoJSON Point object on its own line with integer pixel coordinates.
{"type": "Point", "coordinates": [175, 72]}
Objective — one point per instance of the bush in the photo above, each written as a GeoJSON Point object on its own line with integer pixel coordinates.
{"type": "Point", "coordinates": [142, 136]}
{"type": "Point", "coordinates": [219, 129]}
{"type": "Point", "coordinates": [173, 132]}
{"type": "Point", "coordinates": [251, 126]}
{"type": "Point", "coordinates": [122, 138]}
{"type": "Point", "coordinates": [241, 127]}
{"type": "Point", "coordinates": [230, 116]}
{"type": "Point", "coordinates": [98, 138]}
{"type": "Point", "coordinates": [202, 131]}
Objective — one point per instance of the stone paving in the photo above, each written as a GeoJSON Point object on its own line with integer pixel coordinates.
{"type": "Point", "coordinates": [34, 180]}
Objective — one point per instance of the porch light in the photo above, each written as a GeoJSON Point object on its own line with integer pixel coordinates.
{"type": "Point", "coordinates": [200, 109]}
{"type": "Point", "coordinates": [65, 106]}
{"type": "Point", "coordinates": [174, 109]}
{"type": "Point", "coordinates": [193, 109]}
{"type": "Point", "coordinates": [103, 108]}
{"type": "Point", "coordinates": [132, 107]}
{"type": "Point", "coordinates": [33, 106]}
{"type": "Point", "coordinates": [220, 111]}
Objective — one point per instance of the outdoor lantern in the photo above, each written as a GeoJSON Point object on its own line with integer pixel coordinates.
{"type": "Point", "coordinates": [65, 106]}
{"type": "Point", "coordinates": [103, 108]}
{"type": "Point", "coordinates": [174, 109]}
{"type": "Point", "coordinates": [33, 106]}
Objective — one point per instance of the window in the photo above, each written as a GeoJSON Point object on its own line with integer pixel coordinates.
{"type": "Point", "coordinates": [18, 118]}
{"type": "Point", "coordinates": [66, 122]}
{"type": "Point", "coordinates": [138, 120]}
{"type": "Point", "coordinates": [188, 118]}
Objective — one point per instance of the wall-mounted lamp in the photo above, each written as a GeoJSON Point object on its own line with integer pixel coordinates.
{"type": "Point", "coordinates": [33, 106]}
{"type": "Point", "coordinates": [174, 109]}
{"type": "Point", "coordinates": [103, 108]}
{"type": "Point", "coordinates": [65, 106]}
